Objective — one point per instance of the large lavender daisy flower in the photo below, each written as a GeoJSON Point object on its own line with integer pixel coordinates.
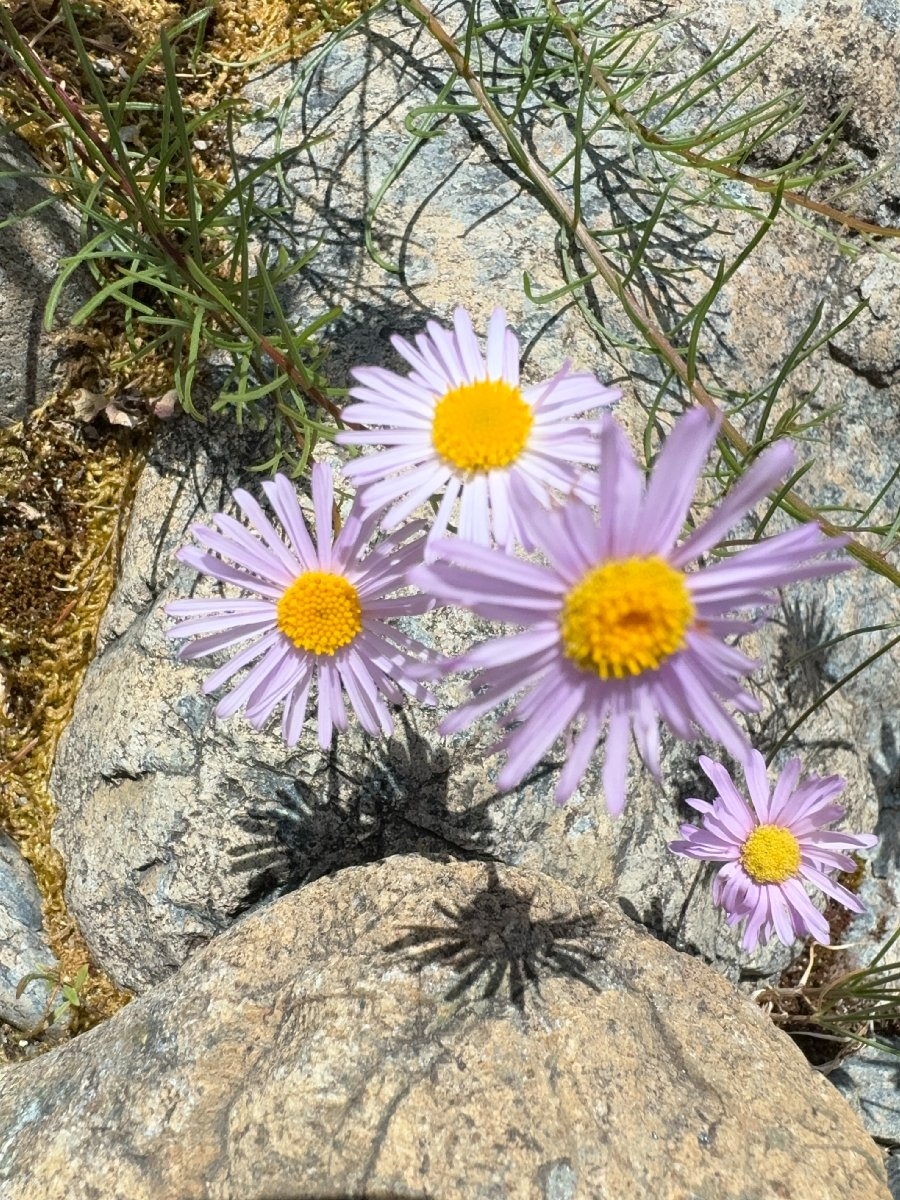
{"type": "Point", "coordinates": [318, 611]}
{"type": "Point", "coordinates": [771, 849]}
{"type": "Point", "coordinates": [463, 425]}
{"type": "Point", "coordinates": [617, 631]}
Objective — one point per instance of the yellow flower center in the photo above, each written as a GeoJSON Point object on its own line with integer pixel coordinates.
{"type": "Point", "coordinates": [770, 854]}
{"type": "Point", "coordinates": [481, 425]}
{"type": "Point", "coordinates": [320, 612]}
{"type": "Point", "coordinates": [626, 617]}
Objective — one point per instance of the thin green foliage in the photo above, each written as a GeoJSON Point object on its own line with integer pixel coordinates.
{"type": "Point", "coordinates": [170, 248]}
{"type": "Point", "coordinates": [854, 1008]}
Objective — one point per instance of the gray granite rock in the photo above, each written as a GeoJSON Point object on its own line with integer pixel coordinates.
{"type": "Point", "coordinates": [870, 1081]}
{"type": "Point", "coordinates": [415, 1028]}
{"type": "Point", "coordinates": [23, 944]}
{"type": "Point", "coordinates": [31, 362]}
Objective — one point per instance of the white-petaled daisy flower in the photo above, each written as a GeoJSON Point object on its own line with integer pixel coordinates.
{"type": "Point", "coordinates": [316, 611]}
{"type": "Point", "coordinates": [460, 423]}
{"type": "Point", "coordinates": [771, 849]}
{"type": "Point", "coordinates": [618, 631]}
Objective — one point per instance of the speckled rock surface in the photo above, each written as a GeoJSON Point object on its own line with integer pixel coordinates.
{"type": "Point", "coordinates": [30, 253]}
{"type": "Point", "coordinates": [23, 945]}
{"type": "Point", "coordinates": [423, 1029]}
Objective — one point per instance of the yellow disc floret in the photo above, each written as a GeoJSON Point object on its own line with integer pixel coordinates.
{"type": "Point", "coordinates": [625, 617]}
{"type": "Point", "coordinates": [771, 854]}
{"type": "Point", "coordinates": [320, 612]}
{"type": "Point", "coordinates": [481, 425]}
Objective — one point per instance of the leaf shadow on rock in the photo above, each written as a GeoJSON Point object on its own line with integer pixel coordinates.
{"type": "Point", "coordinates": [495, 938]}
{"type": "Point", "coordinates": [886, 780]}
{"type": "Point", "coordinates": [391, 800]}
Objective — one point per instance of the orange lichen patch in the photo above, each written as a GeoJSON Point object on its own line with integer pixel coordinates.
{"type": "Point", "coordinates": [243, 33]}
{"type": "Point", "coordinates": [61, 524]}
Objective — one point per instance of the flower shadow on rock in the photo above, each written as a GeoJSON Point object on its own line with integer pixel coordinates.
{"type": "Point", "coordinates": [390, 799]}
{"type": "Point", "coordinates": [886, 779]}
{"type": "Point", "coordinates": [495, 938]}
{"type": "Point", "coordinates": [800, 676]}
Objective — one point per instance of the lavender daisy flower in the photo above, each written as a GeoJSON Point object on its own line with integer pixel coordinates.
{"type": "Point", "coordinates": [771, 849]}
{"type": "Point", "coordinates": [462, 424]}
{"type": "Point", "coordinates": [316, 612]}
{"type": "Point", "coordinates": [618, 632]}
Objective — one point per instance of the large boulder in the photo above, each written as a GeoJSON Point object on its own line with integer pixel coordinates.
{"type": "Point", "coordinates": [418, 1028]}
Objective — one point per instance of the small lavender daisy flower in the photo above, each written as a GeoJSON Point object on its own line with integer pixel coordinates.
{"type": "Point", "coordinates": [617, 631]}
{"type": "Point", "coordinates": [770, 849]}
{"type": "Point", "coordinates": [316, 612]}
{"type": "Point", "coordinates": [462, 424]}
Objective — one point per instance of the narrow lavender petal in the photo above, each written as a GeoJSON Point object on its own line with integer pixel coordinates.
{"type": "Point", "coordinates": [781, 915]}
{"type": "Point", "coordinates": [579, 757]}
{"type": "Point", "coordinates": [286, 672]}
{"type": "Point", "coordinates": [837, 840]}
{"type": "Point", "coordinates": [811, 920]}
{"type": "Point", "coordinates": [388, 462]}
{"type": "Point", "coordinates": [543, 471]}
{"type": "Point", "coordinates": [241, 659]}
{"type": "Point", "coordinates": [349, 553]}
{"type": "Point", "coordinates": [646, 730]}
{"type": "Point", "coordinates": [831, 887]}
{"type": "Point", "coordinates": [258, 560]}
{"type": "Point", "coordinates": [209, 606]}
{"type": "Point", "coordinates": [294, 714]}
{"type": "Point", "coordinates": [501, 514]}
{"type": "Point", "coordinates": [674, 480]}
{"type": "Point", "coordinates": [247, 623]}
{"type": "Point", "coordinates": [418, 485]}
{"type": "Point", "coordinates": [475, 512]}
{"type": "Point", "coordinates": [283, 499]}
{"type": "Point", "coordinates": [615, 762]}
{"type": "Point", "coordinates": [252, 550]}
{"type": "Point", "coordinates": [416, 440]}
{"type": "Point", "coordinates": [370, 709]}
{"type": "Point", "coordinates": [445, 351]}
{"type": "Point", "coordinates": [621, 492]}
{"type": "Point", "coordinates": [262, 671]}
{"type": "Point", "coordinates": [725, 787]}
{"type": "Point", "coordinates": [495, 574]}
{"type": "Point", "coordinates": [784, 789]}
{"type": "Point", "coordinates": [754, 766]}
{"type": "Point", "coordinates": [496, 338]}
{"type": "Point", "coordinates": [267, 531]}
{"type": "Point", "coordinates": [216, 642]}
{"type": "Point", "coordinates": [423, 360]}
{"type": "Point", "coordinates": [467, 345]}
{"type": "Point", "coordinates": [330, 702]}
{"type": "Point", "coordinates": [569, 394]}
{"type": "Point", "coordinates": [757, 920]}
{"type": "Point", "coordinates": [528, 744]}
{"type": "Point", "coordinates": [708, 713]}
{"type": "Point", "coordinates": [672, 704]}
{"type": "Point", "coordinates": [395, 393]}
{"type": "Point", "coordinates": [511, 358]}
{"type": "Point", "coordinates": [390, 674]}
{"type": "Point", "coordinates": [763, 477]}
{"type": "Point", "coordinates": [323, 507]}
